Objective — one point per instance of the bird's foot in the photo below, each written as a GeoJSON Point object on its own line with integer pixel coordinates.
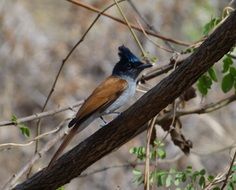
{"type": "Point", "coordinates": [104, 121]}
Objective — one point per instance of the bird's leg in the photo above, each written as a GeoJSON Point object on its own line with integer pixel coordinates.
{"type": "Point", "coordinates": [116, 112]}
{"type": "Point", "coordinates": [103, 121]}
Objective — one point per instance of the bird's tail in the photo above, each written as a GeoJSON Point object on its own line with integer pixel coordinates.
{"type": "Point", "coordinates": [64, 144]}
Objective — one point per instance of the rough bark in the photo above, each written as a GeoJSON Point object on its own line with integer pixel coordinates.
{"type": "Point", "coordinates": [131, 122]}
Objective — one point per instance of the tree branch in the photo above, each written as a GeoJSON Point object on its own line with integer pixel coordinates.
{"type": "Point", "coordinates": [131, 122]}
{"type": "Point", "coordinates": [41, 115]}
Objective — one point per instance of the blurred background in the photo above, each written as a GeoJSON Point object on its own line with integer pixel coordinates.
{"type": "Point", "coordinates": [36, 35]}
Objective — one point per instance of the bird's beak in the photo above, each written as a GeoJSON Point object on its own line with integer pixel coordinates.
{"type": "Point", "coordinates": [144, 65]}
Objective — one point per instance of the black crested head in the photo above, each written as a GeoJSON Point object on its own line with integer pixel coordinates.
{"type": "Point", "coordinates": [129, 64]}
{"type": "Point", "coordinates": [126, 55]}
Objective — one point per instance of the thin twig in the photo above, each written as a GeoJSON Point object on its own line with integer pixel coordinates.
{"type": "Point", "coordinates": [41, 115]}
{"type": "Point", "coordinates": [152, 41]}
{"type": "Point", "coordinates": [131, 30]}
{"type": "Point", "coordinates": [222, 178]}
{"type": "Point", "coordinates": [11, 145]}
{"type": "Point", "coordinates": [147, 161]}
{"type": "Point", "coordinates": [172, 123]}
{"type": "Point", "coordinates": [130, 165]}
{"type": "Point", "coordinates": [91, 8]}
{"type": "Point", "coordinates": [206, 109]}
{"type": "Point", "coordinates": [209, 152]}
{"type": "Point", "coordinates": [151, 27]}
{"type": "Point", "coordinates": [164, 69]}
{"type": "Point", "coordinates": [209, 108]}
{"type": "Point", "coordinates": [229, 171]}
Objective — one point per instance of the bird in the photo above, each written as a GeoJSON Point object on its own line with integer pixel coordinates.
{"type": "Point", "coordinates": [114, 92]}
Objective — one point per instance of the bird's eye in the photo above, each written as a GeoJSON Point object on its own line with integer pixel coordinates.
{"type": "Point", "coordinates": [128, 66]}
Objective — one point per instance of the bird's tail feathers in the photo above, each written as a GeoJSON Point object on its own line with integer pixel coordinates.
{"type": "Point", "coordinates": [63, 145]}
{"type": "Point", "coordinates": [72, 122]}
{"type": "Point", "coordinates": [77, 127]}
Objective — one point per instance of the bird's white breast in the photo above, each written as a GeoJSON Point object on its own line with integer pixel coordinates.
{"type": "Point", "coordinates": [124, 97]}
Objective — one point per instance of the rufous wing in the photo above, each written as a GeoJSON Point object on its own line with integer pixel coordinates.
{"type": "Point", "coordinates": [102, 97]}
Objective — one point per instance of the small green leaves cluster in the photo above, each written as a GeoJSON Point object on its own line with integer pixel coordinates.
{"type": "Point", "coordinates": [157, 151]}
{"type": "Point", "coordinates": [210, 25]}
{"type": "Point", "coordinates": [23, 128]}
{"type": "Point", "coordinates": [187, 179]}
{"type": "Point", "coordinates": [206, 80]}
{"type": "Point", "coordinates": [229, 79]}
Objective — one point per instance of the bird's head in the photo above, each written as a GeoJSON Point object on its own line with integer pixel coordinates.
{"type": "Point", "coordinates": [129, 65]}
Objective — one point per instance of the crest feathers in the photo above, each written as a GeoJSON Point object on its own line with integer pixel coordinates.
{"type": "Point", "coordinates": [126, 54]}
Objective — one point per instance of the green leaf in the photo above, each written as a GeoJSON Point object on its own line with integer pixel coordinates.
{"type": "Point", "coordinates": [212, 74]}
{"type": "Point", "coordinates": [24, 130]}
{"type": "Point", "coordinates": [169, 180]}
{"type": "Point", "coordinates": [161, 153]}
{"type": "Point", "coordinates": [230, 186]}
{"type": "Point", "coordinates": [233, 178]}
{"type": "Point", "coordinates": [216, 188]}
{"type": "Point", "coordinates": [139, 152]}
{"type": "Point", "coordinates": [202, 89]}
{"type": "Point", "coordinates": [14, 119]}
{"type": "Point", "coordinates": [202, 181]}
{"type": "Point", "coordinates": [189, 170]}
{"type": "Point", "coordinates": [204, 83]}
{"type": "Point", "coordinates": [161, 179]}
{"type": "Point", "coordinates": [227, 62]}
{"type": "Point", "coordinates": [204, 79]}
{"type": "Point", "coordinates": [189, 187]}
{"type": "Point", "coordinates": [210, 178]}
{"type": "Point", "coordinates": [177, 181]}
{"type": "Point", "coordinates": [184, 177]}
{"type": "Point", "coordinates": [234, 168]}
{"type": "Point", "coordinates": [202, 172]}
{"type": "Point", "coordinates": [210, 25]}
{"type": "Point", "coordinates": [137, 172]}
{"type": "Point", "coordinates": [195, 175]}
{"type": "Point", "coordinates": [133, 150]}
{"type": "Point", "coordinates": [227, 83]}
{"type": "Point", "coordinates": [232, 71]}
{"type": "Point", "coordinates": [158, 143]}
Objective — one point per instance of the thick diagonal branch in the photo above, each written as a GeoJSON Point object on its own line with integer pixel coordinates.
{"type": "Point", "coordinates": [132, 121]}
